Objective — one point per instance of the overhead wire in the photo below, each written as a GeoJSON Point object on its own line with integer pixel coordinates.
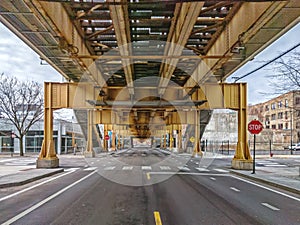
{"type": "Point", "coordinates": [267, 63]}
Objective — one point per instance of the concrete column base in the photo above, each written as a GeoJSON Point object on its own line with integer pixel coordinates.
{"type": "Point", "coordinates": [240, 164]}
{"type": "Point", "coordinates": [90, 154]}
{"type": "Point", "coordinates": [47, 163]}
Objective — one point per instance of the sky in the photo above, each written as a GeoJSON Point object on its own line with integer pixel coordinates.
{"type": "Point", "coordinates": [258, 82]}
{"type": "Point", "coordinates": [17, 59]}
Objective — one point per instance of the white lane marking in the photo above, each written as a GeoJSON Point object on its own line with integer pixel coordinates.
{"type": "Point", "coordinates": [165, 168]}
{"type": "Point", "coordinates": [6, 160]}
{"type": "Point", "coordinates": [212, 178]}
{"type": "Point", "coordinates": [266, 188]}
{"type": "Point", "coordinates": [270, 206]}
{"type": "Point", "coordinates": [183, 168]}
{"type": "Point", "coordinates": [90, 168]}
{"type": "Point", "coordinates": [86, 165]}
{"type": "Point", "coordinates": [146, 168]}
{"type": "Point", "coordinates": [275, 165]}
{"type": "Point", "coordinates": [221, 170]}
{"type": "Point", "coordinates": [188, 173]}
{"type": "Point", "coordinates": [34, 207]}
{"type": "Point", "coordinates": [71, 169]}
{"type": "Point", "coordinates": [234, 189]}
{"type": "Point", "coordinates": [127, 168]}
{"type": "Point", "coordinates": [202, 169]}
{"type": "Point", "coordinates": [110, 168]}
{"type": "Point", "coordinates": [36, 185]}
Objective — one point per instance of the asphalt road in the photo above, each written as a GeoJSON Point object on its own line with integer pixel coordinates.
{"type": "Point", "coordinates": [144, 186]}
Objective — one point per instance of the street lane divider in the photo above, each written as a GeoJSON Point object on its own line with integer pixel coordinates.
{"type": "Point", "coordinates": [157, 218]}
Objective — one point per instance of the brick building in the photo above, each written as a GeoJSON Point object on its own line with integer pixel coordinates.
{"type": "Point", "coordinates": [280, 116]}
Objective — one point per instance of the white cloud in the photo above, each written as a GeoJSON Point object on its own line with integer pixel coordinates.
{"type": "Point", "coordinates": [17, 59]}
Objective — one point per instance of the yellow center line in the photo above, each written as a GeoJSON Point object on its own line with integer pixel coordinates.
{"type": "Point", "coordinates": [157, 218]}
{"type": "Point", "coordinates": [148, 176]}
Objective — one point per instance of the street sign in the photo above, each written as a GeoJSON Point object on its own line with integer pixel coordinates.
{"type": "Point", "coordinates": [255, 127]}
{"type": "Point", "coordinates": [192, 139]}
{"type": "Point", "coordinates": [106, 137]}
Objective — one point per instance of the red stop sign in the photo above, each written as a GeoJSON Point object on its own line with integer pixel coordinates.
{"type": "Point", "coordinates": [255, 127]}
{"type": "Point", "coordinates": [106, 137]}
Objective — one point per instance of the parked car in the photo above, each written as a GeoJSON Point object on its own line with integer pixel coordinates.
{"type": "Point", "coordinates": [297, 147]}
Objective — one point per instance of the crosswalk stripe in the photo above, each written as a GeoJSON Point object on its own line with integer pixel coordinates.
{"type": "Point", "coordinates": [146, 168]}
{"type": "Point", "coordinates": [71, 169]}
{"type": "Point", "coordinates": [183, 168]}
{"type": "Point", "coordinates": [202, 169]}
{"type": "Point", "coordinates": [90, 168]}
{"type": "Point", "coordinates": [165, 168]}
{"type": "Point", "coordinates": [127, 168]}
{"type": "Point", "coordinates": [275, 165]}
{"type": "Point", "coordinates": [110, 168]}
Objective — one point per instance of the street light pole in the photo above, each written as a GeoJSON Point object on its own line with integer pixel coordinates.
{"type": "Point", "coordinates": [291, 124]}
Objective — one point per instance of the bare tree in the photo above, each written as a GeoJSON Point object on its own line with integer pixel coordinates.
{"type": "Point", "coordinates": [21, 102]}
{"type": "Point", "coordinates": [287, 73]}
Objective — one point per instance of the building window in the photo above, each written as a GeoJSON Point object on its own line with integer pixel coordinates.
{"type": "Point", "coordinates": [298, 113]}
{"type": "Point", "coordinates": [286, 115]}
{"type": "Point", "coordinates": [266, 108]}
{"type": "Point", "coordinates": [297, 101]}
{"type": "Point", "coordinates": [298, 125]}
{"type": "Point", "coordinates": [274, 126]}
{"type": "Point", "coordinates": [280, 126]}
{"type": "Point", "coordinates": [286, 103]}
{"type": "Point", "coordinates": [286, 126]}
{"type": "Point", "coordinates": [261, 109]}
{"type": "Point", "coordinates": [273, 106]}
{"type": "Point", "coordinates": [280, 115]}
{"type": "Point", "coordinates": [279, 104]}
{"type": "Point", "coordinates": [273, 116]}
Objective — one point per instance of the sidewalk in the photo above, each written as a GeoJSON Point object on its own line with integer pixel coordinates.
{"type": "Point", "coordinates": [287, 178]}
{"type": "Point", "coordinates": [15, 171]}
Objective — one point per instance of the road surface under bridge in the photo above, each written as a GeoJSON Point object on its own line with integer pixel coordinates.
{"type": "Point", "coordinates": [144, 69]}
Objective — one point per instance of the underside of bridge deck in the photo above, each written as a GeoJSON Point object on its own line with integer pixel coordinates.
{"type": "Point", "coordinates": [144, 65]}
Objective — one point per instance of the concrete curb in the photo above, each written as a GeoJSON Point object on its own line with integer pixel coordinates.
{"type": "Point", "coordinates": [28, 180]}
{"type": "Point", "coordinates": [281, 186]}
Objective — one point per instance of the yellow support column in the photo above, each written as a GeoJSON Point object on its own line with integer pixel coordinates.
{"type": "Point", "coordinates": [197, 149]}
{"type": "Point", "coordinates": [113, 139]}
{"type": "Point", "coordinates": [179, 138]}
{"type": "Point", "coordinates": [89, 152]}
{"type": "Point", "coordinates": [105, 144]}
{"type": "Point", "coordinates": [165, 141]}
{"type": "Point", "coordinates": [119, 138]}
{"type": "Point", "coordinates": [242, 158]}
{"type": "Point", "coordinates": [171, 137]}
{"type": "Point", "coordinates": [123, 137]}
{"type": "Point", "coordinates": [47, 157]}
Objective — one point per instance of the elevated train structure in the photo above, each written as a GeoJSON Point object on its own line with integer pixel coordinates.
{"type": "Point", "coordinates": [144, 68]}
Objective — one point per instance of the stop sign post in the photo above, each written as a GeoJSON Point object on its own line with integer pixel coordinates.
{"type": "Point", "coordinates": [254, 127]}
{"type": "Point", "coordinates": [106, 137]}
